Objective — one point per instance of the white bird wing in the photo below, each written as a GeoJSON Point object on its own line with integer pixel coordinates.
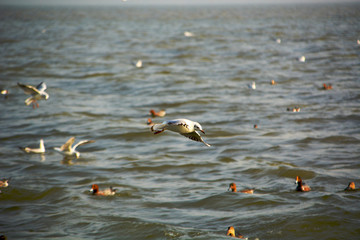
{"type": "Point", "coordinates": [82, 143]}
{"type": "Point", "coordinates": [67, 146]}
{"type": "Point", "coordinates": [41, 87]}
{"type": "Point", "coordinates": [195, 136]}
{"type": "Point", "coordinates": [28, 89]}
{"type": "Point", "coordinates": [158, 126]}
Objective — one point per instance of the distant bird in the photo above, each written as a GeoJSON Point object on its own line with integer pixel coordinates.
{"type": "Point", "coordinates": [160, 113]}
{"type": "Point", "coordinates": [68, 150]}
{"type": "Point", "coordinates": [5, 92]}
{"type": "Point", "coordinates": [232, 188]}
{"type": "Point", "coordinates": [327, 87]}
{"type": "Point", "coordinates": [188, 34]}
{"type": "Point", "coordinates": [41, 149]}
{"type": "Point", "coordinates": [350, 187]}
{"type": "Point", "coordinates": [302, 59]}
{"type": "Point", "coordinates": [138, 63]}
{"type": "Point", "coordinates": [294, 109]}
{"type": "Point", "coordinates": [358, 41]}
{"type": "Point", "coordinates": [150, 122]}
{"type": "Point", "coordinates": [4, 183]}
{"type": "Point", "coordinates": [107, 192]}
{"type": "Point", "coordinates": [252, 85]}
{"type": "Point", "coordinates": [301, 187]}
{"type": "Point", "coordinates": [185, 127]}
{"type": "Point", "coordinates": [231, 233]}
{"type": "Point", "coordinates": [278, 40]}
{"type": "Point", "coordinates": [37, 93]}
{"type": "Point", "coordinates": [272, 82]}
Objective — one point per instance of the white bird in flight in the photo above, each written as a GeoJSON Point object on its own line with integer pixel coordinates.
{"type": "Point", "coordinates": [41, 149]}
{"type": "Point", "coordinates": [185, 127]}
{"type": "Point", "coordinates": [68, 150]}
{"type": "Point", "coordinates": [37, 93]}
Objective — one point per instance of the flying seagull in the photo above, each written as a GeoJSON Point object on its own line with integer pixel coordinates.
{"type": "Point", "coordinates": [185, 127]}
{"type": "Point", "coordinates": [68, 150]}
{"type": "Point", "coordinates": [37, 93]}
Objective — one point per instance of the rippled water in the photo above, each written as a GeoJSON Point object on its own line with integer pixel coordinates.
{"type": "Point", "coordinates": [170, 187]}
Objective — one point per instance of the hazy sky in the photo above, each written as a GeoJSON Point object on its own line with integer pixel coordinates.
{"type": "Point", "coordinates": [162, 2]}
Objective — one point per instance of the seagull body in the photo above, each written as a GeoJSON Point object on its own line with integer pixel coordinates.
{"type": "Point", "coordinates": [138, 63]}
{"type": "Point", "coordinates": [185, 127]}
{"type": "Point", "coordinates": [41, 149]}
{"type": "Point", "coordinates": [302, 59]}
{"type": "Point", "coordinates": [252, 85]}
{"type": "Point", "coordinates": [188, 34]}
{"type": "Point", "coordinates": [5, 92]}
{"type": "Point", "coordinates": [68, 150]}
{"type": "Point", "coordinates": [37, 93]}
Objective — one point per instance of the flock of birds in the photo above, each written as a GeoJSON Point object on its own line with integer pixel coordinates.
{"type": "Point", "coordinates": [184, 127]}
{"type": "Point", "coordinates": [301, 187]}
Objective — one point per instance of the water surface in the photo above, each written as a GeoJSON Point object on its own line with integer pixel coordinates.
{"type": "Point", "coordinates": [170, 187]}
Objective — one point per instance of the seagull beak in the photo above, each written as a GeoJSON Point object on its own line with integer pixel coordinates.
{"type": "Point", "coordinates": [202, 131]}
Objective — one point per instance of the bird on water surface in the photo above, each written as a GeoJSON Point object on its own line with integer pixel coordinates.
{"type": "Point", "coordinates": [68, 150]}
{"type": "Point", "coordinates": [232, 188]}
{"type": "Point", "coordinates": [301, 186]}
{"type": "Point", "coordinates": [107, 192]}
{"type": "Point", "coordinates": [231, 233]}
{"type": "Point", "coordinates": [41, 148]}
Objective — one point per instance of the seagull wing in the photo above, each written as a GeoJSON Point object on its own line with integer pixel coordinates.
{"type": "Point", "coordinates": [67, 145]}
{"type": "Point", "coordinates": [158, 127]}
{"type": "Point", "coordinates": [41, 87]}
{"type": "Point", "coordinates": [82, 143]}
{"type": "Point", "coordinates": [195, 136]}
{"type": "Point", "coordinates": [28, 89]}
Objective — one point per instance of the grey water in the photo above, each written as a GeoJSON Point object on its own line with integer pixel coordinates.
{"type": "Point", "coordinates": [169, 187]}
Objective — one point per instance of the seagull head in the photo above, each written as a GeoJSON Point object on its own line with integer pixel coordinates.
{"type": "Point", "coordinates": [45, 96]}
{"type": "Point", "coordinates": [197, 126]}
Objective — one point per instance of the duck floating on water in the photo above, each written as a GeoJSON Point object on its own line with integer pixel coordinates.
{"type": "Point", "coordinates": [107, 192]}
{"type": "Point", "coordinates": [232, 188]}
{"type": "Point", "coordinates": [231, 232]}
{"type": "Point", "coordinates": [301, 186]}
